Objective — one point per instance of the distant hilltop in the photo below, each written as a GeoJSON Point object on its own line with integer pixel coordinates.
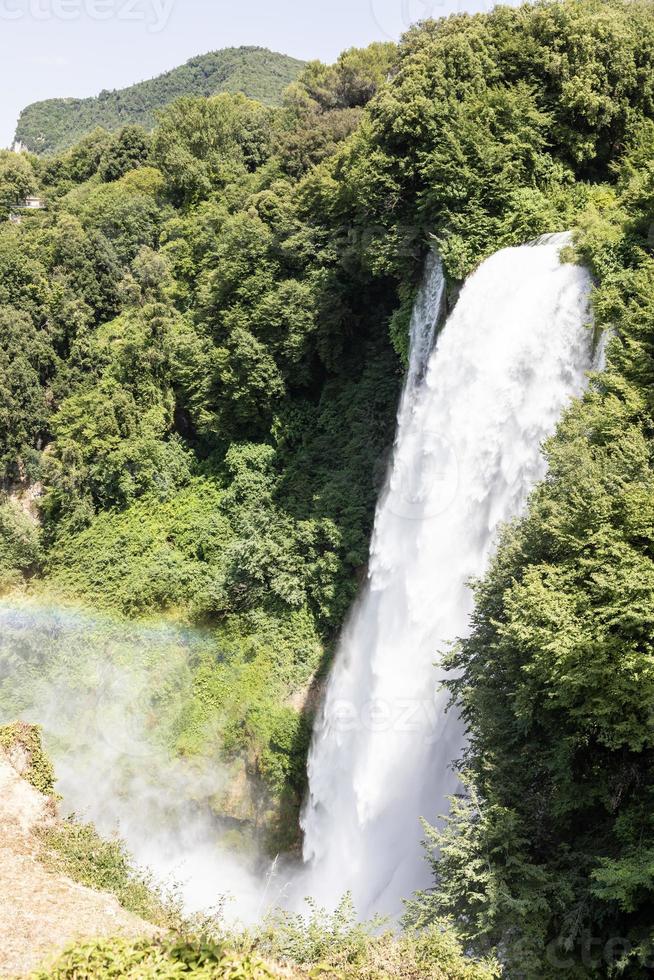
{"type": "Point", "coordinates": [50, 126]}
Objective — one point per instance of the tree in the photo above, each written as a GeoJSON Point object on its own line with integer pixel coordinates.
{"type": "Point", "coordinates": [128, 150]}
{"type": "Point", "coordinates": [17, 180]}
{"type": "Point", "coordinates": [202, 144]}
{"type": "Point", "coordinates": [27, 363]}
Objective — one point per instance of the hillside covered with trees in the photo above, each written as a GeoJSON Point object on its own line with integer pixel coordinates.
{"type": "Point", "coordinates": [202, 342]}
{"type": "Point", "coordinates": [56, 124]}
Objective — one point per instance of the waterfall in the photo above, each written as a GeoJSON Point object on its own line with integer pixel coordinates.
{"type": "Point", "coordinates": [473, 416]}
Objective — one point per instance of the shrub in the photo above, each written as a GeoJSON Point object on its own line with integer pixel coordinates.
{"type": "Point", "coordinates": [22, 745]}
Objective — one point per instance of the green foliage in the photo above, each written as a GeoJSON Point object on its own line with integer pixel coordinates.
{"type": "Point", "coordinates": [108, 447]}
{"type": "Point", "coordinates": [17, 180]}
{"type": "Point", "coordinates": [355, 78]}
{"type": "Point", "coordinates": [26, 364]}
{"type": "Point", "coordinates": [244, 698]}
{"type": "Point", "coordinates": [126, 212]}
{"type": "Point", "coordinates": [325, 105]}
{"type": "Point", "coordinates": [56, 124]}
{"type": "Point", "coordinates": [23, 279]}
{"type": "Point", "coordinates": [310, 947]}
{"type": "Point", "coordinates": [79, 163]}
{"type": "Point", "coordinates": [338, 945]}
{"type": "Point", "coordinates": [167, 959]}
{"type": "Point", "coordinates": [128, 151]}
{"type": "Point", "coordinates": [202, 144]}
{"type": "Point", "coordinates": [347, 951]}
{"type": "Point", "coordinates": [159, 553]}
{"type": "Point", "coordinates": [21, 743]}
{"type": "Point", "coordinates": [20, 546]}
{"type": "Point", "coordinates": [484, 110]}
{"type": "Point", "coordinates": [113, 437]}
{"type": "Point", "coordinates": [313, 947]}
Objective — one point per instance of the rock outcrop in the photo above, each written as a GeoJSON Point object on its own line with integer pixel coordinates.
{"type": "Point", "coordinates": [41, 912]}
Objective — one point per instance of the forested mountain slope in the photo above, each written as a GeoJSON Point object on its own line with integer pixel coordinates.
{"type": "Point", "coordinates": [53, 125]}
{"type": "Point", "coordinates": [201, 348]}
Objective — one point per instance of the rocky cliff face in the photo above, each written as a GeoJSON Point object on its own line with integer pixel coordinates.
{"type": "Point", "coordinates": [42, 913]}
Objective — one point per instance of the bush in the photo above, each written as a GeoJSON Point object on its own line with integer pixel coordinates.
{"type": "Point", "coordinates": [20, 547]}
{"type": "Point", "coordinates": [22, 745]}
{"type": "Point", "coordinates": [340, 946]}
{"type": "Point", "coordinates": [156, 960]}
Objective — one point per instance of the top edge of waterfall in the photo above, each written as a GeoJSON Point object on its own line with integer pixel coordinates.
{"type": "Point", "coordinates": [561, 238]}
{"type": "Point", "coordinates": [425, 316]}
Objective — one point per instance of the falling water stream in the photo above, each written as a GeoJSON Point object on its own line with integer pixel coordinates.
{"type": "Point", "coordinates": [475, 411]}
{"type": "Point", "coordinates": [478, 402]}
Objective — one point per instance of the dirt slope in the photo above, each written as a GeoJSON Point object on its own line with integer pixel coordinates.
{"type": "Point", "coordinates": [40, 912]}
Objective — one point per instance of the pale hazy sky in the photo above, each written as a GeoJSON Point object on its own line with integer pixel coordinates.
{"type": "Point", "coordinates": [54, 48]}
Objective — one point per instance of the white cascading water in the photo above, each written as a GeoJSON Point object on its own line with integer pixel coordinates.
{"type": "Point", "coordinates": [473, 417]}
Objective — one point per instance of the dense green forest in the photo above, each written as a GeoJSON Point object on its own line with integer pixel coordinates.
{"type": "Point", "coordinates": [202, 342]}
{"type": "Point", "coordinates": [56, 124]}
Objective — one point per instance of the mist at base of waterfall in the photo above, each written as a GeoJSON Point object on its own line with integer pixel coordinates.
{"type": "Point", "coordinates": [110, 696]}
